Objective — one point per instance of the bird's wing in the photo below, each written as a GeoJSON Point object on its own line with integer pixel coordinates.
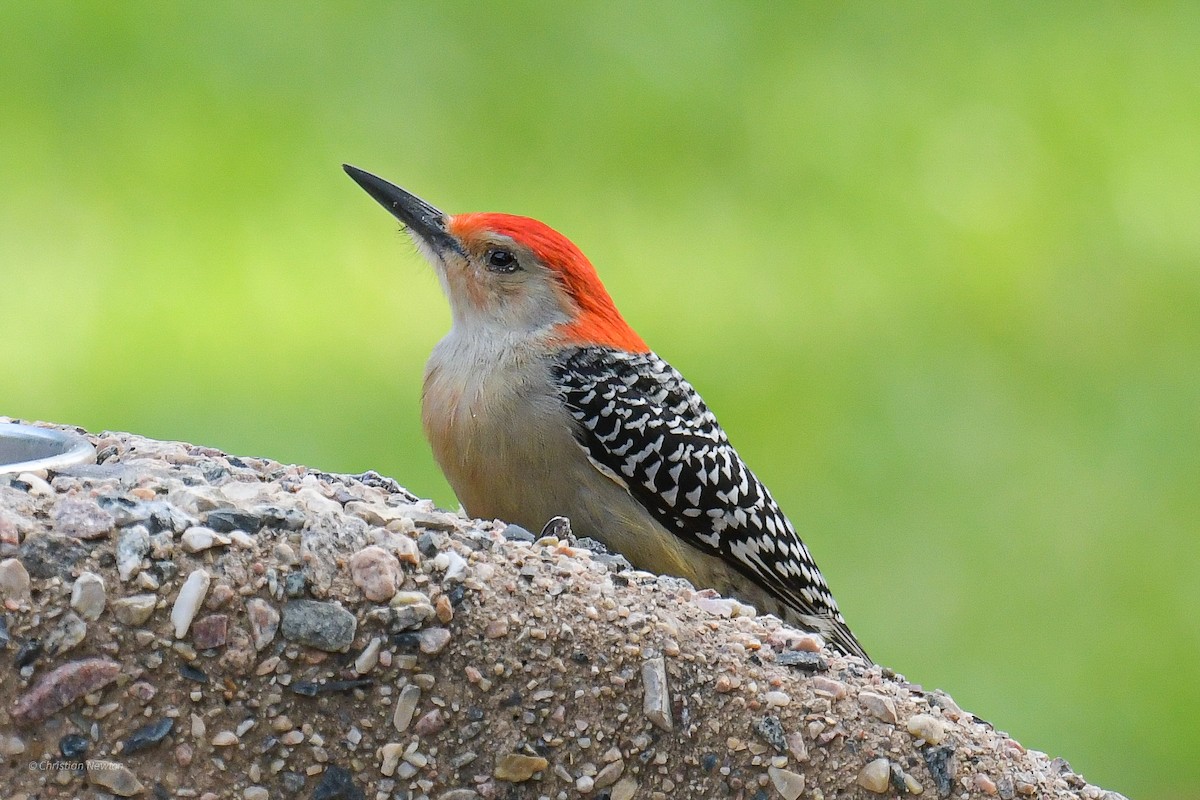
{"type": "Point", "coordinates": [642, 423]}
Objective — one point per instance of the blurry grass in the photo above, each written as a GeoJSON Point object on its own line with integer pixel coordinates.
{"type": "Point", "coordinates": [937, 269]}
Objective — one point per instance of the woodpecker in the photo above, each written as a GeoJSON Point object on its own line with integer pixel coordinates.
{"type": "Point", "coordinates": [541, 402]}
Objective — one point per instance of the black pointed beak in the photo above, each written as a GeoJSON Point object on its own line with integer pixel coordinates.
{"type": "Point", "coordinates": [419, 217]}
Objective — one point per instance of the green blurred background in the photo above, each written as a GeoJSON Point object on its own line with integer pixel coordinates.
{"type": "Point", "coordinates": [936, 267]}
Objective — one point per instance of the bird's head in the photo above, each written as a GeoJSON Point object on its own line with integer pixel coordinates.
{"type": "Point", "coordinates": [506, 274]}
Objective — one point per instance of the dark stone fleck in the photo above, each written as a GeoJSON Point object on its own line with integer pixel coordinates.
{"type": "Point", "coordinates": [512, 700]}
{"type": "Point", "coordinates": [148, 735]}
{"type": "Point", "coordinates": [755, 660]}
{"type": "Point", "coordinates": [620, 579]}
{"type": "Point", "coordinates": [389, 485]}
{"type": "Point", "coordinates": [803, 660]}
{"type": "Point", "coordinates": [28, 652]}
{"type": "Point", "coordinates": [290, 519]}
{"type": "Point", "coordinates": [268, 744]}
{"type": "Point", "coordinates": [314, 688]}
{"type": "Point", "coordinates": [456, 594]}
{"type": "Point", "coordinates": [166, 517]}
{"type": "Point", "coordinates": [406, 640]}
{"type": "Point", "coordinates": [427, 545]}
{"type": "Point", "coordinates": [20, 485]}
{"type": "Point", "coordinates": [474, 713]}
{"type": "Point", "coordinates": [515, 533]}
{"type": "Point", "coordinates": [237, 462]}
{"type": "Point", "coordinates": [294, 584]}
{"type": "Point", "coordinates": [770, 730]}
{"type": "Point", "coordinates": [897, 777]}
{"type": "Point", "coordinates": [580, 657]}
{"type": "Point", "coordinates": [1005, 787]}
{"type": "Point", "coordinates": [46, 555]}
{"type": "Point", "coordinates": [224, 520]}
{"type": "Point", "coordinates": [709, 761]}
{"type": "Point", "coordinates": [73, 746]}
{"type": "Point", "coordinates": [125, 511]}
{"type": "Point", "coordinates": [292, 782]}
{"type": "Point", "coordinates": [5, 636]}
{"type": "Point", "coordinates": [761, 794]}
{"type": "Point", "coordinates": [336, 784]}
{"type": "Point", "coordinates": [941, 768]}
{"type": "Point", "coordinates": [165, 571]}
{"type": "Point", "coordinates": [193, 673]}
{"type": "Point", "coordinates": [213, 471]}
{"type": "Point", "coordinates": [161, 792]}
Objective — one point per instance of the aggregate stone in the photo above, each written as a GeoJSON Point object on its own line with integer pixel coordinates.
{"type": "Point", "coordinates": [517, 767]}
{"type": "Point", "coordinates": [376, 572]}
{"type": "Point", "coordinates": [47, 555]}
{"type": "Point", "coordinates": [135, 609]}
{"type": "Point", "coordinates": [59, 688]}
{"type": "Point", "coordinates": [116, 778]}
{"type": "Point", "coordinates": [133, 545]}
{"type": "Point", "coordinates": [264, 621]}
{"type": "Point", "coordinates": [69, 631]}
{"type": "Point", "coordinates": [210, 631]}
{"type": "Point", "coordinates": [876, 776]}
{"type": "Point", "coordinates": [88, 595]}
{"type": "Point", "coordinates": [82, 519]}
{"type": "Point", "coordinates": [148, 735]}
{"type": "Point", "coordinates": [73, 747]}
{"type": "Point", "coordinates": [226, 520]}
{"type": "Point", "coordinates": [337, 784]}
{"type": "Point", "coordinates": [188, 601]}
{"type": "Point", "coordinates": [14, 581]}
{"type": "Point", "coordinates": [323, 625]}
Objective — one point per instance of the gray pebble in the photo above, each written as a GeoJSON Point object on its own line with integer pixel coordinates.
{"type": "Point", "coordinates": [515, 533]}
{"type": "Point", "coordinates": [770, 729]}
{"type": "Point", "coordinates": [48, 555]}
{"type": "Point", "coordinates": [325, 626]}
{"type": "Point", "coordinates": [82, 519]}
{"type": "Point", "coordinates": [132, 546]}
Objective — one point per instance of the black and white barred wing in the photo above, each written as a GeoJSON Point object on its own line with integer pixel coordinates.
{"type": "Point", "coordinates": [642, 424]}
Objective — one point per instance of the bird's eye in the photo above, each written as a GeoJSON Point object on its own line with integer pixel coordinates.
{"type": "Point", "coordinates": [500, 260]}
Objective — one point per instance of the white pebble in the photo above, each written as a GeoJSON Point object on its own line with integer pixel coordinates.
{"type": "Point", "coordinates": [789, 784]}
{"type": "Point", "coordinates": [927, 727]}
{"type": "Point", "coordinates": [191, 595]}
{"type": "Point", "coordinates": [876, 776]}
{"type": "Point", "coordinates": [369, 657]}
{"type": "Point", "coordinates": [14, 580]}
{"type": "Point", "coordinates": [37, 485]}
{"type": "Point", "coordinates": [225, 739]}
{"type": "Point", "coordinates": [87, 595]}
{"type": "Point", "coordinates": [198, 538]}
{"type": "Point", "coordinates": [456, 568]}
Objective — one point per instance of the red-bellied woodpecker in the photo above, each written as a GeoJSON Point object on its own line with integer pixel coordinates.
{"type": "Point", "coordinates": [542, 401]}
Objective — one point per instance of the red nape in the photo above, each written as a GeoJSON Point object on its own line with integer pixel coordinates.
{"type": "Point", "coordinates": [598, 322]}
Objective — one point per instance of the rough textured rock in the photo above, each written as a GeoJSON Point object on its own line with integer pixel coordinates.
{"type": "Point", "coordinates": [491, 664]}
